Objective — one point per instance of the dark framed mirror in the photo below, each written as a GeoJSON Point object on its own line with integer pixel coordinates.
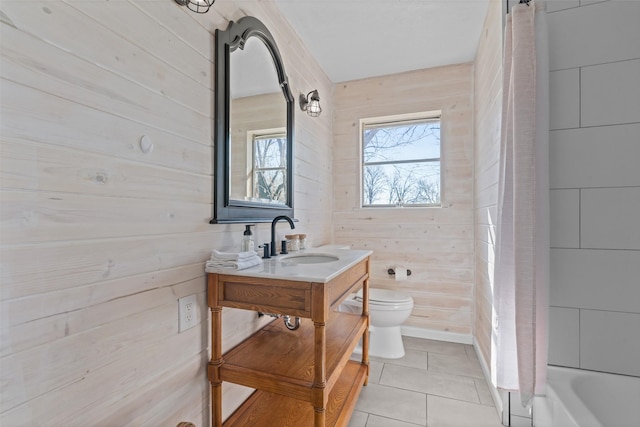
{"type": "Point", "coordinates": [253, 133]}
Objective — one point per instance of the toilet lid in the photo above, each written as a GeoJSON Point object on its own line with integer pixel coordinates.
{"type": "Point", "coordinates": [385, 296]}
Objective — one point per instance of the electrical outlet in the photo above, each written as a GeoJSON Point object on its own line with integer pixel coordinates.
{"type": "Point", "coordinates": [187, 312]}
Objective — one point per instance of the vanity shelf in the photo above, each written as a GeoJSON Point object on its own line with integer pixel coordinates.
{"type": "Point", "coordinates": [264, 409]}
{"type": "Point", "coordinates": [302, 377]}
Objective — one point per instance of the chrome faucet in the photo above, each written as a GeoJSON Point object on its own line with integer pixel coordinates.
{"type": "Point", "coordinates": [274, 251]}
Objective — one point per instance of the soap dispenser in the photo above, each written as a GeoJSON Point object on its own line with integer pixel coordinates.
{"type": "Point", "coordinates": [248, 243]}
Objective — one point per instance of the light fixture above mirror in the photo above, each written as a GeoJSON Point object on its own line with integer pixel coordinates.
{"type": "Point", "coordinates": [197, 6]}
{"type": "Point", "coordinates": [311, 103]}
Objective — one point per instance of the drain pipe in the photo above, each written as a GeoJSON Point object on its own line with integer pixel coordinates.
{"type": "Point", "coordinates": [286, 318]}
{"type": "Point", "coordinates": [275, 316]}
{"type": "Point", "coordinates": [287, 322]}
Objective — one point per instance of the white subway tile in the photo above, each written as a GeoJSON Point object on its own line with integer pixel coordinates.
{"type": "Point", "coordinates": [599, 33]}
{"type": "Point", "coordinates": [564, 336]}
{"type": "Point", "coordinates": [564, 99]}
{"type": "Point", "coordinates": [565, 218]}
{"type": "Point", "coordinates": [609, 218]}
{"type": "Point", "coordinates": [610, 93]}
{"type": "Point", "coordinates": [595, 279]}
{"type": "Point", "coordinates": [595, 157]}
{"type": "Point", "coordinates": [610, 342]}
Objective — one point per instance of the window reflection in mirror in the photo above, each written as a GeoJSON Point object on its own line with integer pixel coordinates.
{"type": "Point", "coordinates": [269, 175]}
{"type": "Point", "coordinates": [257, 125]}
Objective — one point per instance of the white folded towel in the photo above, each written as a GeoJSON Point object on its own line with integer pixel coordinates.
{"type": "Point", "coordinates": [211, 266]}
{"type": "Point", "coordinates": [231, 256]}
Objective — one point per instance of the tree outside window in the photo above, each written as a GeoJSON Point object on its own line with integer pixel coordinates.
{"type": "Point", "coordinates": [401, 162]}
{"type": "Point", "coordinates": [270, 167]}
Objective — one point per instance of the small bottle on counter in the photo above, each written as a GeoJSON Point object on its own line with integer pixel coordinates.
{"type": "Point", "coordinates": [302, 239]}
{"type": "Point", "coordinates": [293, 243]}
{"type": "Point", "coordinates": [248, 244]}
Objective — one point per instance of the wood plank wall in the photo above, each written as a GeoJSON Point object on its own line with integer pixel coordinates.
{"type": "Point", "coordinates": [435, 243]}
{"type": "Point", "coordinates": [488, 105]}
{"type": "Point", "coordinates": [99, 239]}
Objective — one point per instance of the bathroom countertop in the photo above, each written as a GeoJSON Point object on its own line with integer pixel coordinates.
{"type": "Point", "coordinates": [283, 268]}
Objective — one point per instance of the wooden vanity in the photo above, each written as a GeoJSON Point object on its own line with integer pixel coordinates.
{"type": "Point", "coordinates": [302, 377]}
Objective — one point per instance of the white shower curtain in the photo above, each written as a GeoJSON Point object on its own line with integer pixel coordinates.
{"type": "Point", "coordinates": [520, 297]}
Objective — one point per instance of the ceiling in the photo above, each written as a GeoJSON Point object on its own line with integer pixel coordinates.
{"type": "Point", "coordinates": [354, 39]}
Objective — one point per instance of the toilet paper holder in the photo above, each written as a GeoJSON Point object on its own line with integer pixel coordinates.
{"type": "Point", "coordinates": [392, 272]}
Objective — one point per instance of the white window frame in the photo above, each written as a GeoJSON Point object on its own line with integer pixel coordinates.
{"type": "Point", "coordinates": [396, 119]}
{"type": "Point", "coordinates": [252, 136]}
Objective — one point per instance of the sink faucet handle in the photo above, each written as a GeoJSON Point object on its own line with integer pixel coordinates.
{"type": "Point", "coordinates": [283, 247]}
{"type": "Point", "coordinates": [266, 251]}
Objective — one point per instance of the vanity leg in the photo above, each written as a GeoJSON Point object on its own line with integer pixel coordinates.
{"type": "Point", "coordinates": [216, 351]}
{"type": "Point", "coordinates": [319, 316]}
{"type": "Point", "coordinates": [365, 336]}
{"type": "Point", "coordinates": [319, 392]}
{"type": "Point", "coordinates": [216, 405]}
{"type": "Point", "coordinates": [214, 372]}
{"type": "Point", "coordinates": [319, 417]}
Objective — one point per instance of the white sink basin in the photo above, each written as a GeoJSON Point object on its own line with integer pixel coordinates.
{"type": "Point", "coordinates": [309, 259]}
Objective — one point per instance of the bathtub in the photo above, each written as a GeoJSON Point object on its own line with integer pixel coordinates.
{"type": "Point", "coordinates": [579, 398]}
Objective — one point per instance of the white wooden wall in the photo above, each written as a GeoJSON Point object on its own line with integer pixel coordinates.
{"type": "Point", "coordinates": [436, 244]}
{"type": "Point", "coordinates": [488, 106]}
{"type": "Point", "coordinates": [99, 239]}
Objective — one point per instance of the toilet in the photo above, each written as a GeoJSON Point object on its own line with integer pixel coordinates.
{"type": "Point", "coordinates": [387, 311]}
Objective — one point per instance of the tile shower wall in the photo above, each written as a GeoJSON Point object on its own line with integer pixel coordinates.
{"type": "Point", "coordinates": [595, 185]}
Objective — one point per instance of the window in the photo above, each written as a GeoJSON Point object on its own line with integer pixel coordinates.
{"type": "Point", "coordinates": [270, 166]}
{"type": "Point", "coordinates": [401, 160]}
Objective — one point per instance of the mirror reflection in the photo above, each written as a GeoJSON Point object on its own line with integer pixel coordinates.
{"type": "Point", "coordinates": [257, 127]}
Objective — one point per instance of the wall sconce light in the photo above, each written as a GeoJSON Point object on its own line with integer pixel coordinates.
{"type": "Point", "coordinates": [311, 103]}
{"type": "Point", "coordinates": [197, 6]}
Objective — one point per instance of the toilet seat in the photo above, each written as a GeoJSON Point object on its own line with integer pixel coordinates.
{"type": "Point", "coordinates": [385, 297]}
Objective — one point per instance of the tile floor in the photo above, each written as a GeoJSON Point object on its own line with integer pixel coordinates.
{"type": "Point", "coordinates": [436, 384]}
